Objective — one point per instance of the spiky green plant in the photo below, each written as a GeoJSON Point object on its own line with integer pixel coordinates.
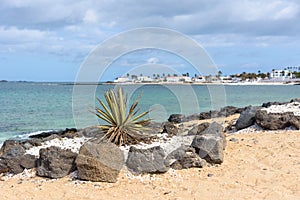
{"type": "Point", "coordinates": [123, 126]}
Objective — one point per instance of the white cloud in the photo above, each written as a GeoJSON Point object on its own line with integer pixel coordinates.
{"type": "Point", "coordinates": [13, 39]}
{"type": "Point", "coordinates": [231, 40]}
{"type": "Point", "coordinates": [191, 17]}
{"type": "Point", "coordinates": [16, 35]}
{"type": "Point", "coordinates": [90, 17]}
{"type": "Point", "coordinates": [152, 60]}
{"type": "Point", "coordinates": [264, 10]}
{"type": "Point", "coordinates": [288, 12]}
{"type": "Point", "coordinates": [73, 28]}
{"type": "Point", "coordinates": [194, 16]}
{"type": "Point", "coordinates": [215, 23]}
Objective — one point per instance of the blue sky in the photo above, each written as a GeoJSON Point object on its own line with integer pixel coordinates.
{"type": "Point", "coordinates": [47, 40]}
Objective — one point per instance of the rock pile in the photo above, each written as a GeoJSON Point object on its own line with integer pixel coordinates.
{"type": "Point", "coordinates": [98, 161]}
{"type": "Point", "coordinates": [271, 116]}
{"type": "Point", "coordinates": [176, 145]}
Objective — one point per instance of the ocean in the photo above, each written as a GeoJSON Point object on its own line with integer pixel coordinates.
{"type": "Point", "coordinates": [28, 108]}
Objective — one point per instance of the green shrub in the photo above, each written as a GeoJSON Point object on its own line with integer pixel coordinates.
{"type": "Point", "coordinates": [123, 126]}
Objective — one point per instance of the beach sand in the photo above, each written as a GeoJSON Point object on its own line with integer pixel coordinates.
{"type": "Point", "coordinates": [260, 165]}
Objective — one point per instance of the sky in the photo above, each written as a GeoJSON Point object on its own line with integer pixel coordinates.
{"type": "Point", "coordinates": [48, 40]}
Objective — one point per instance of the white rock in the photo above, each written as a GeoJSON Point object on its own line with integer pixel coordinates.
{"type": "Point", "coordinates": [168, 144]}
{"type": "Point", "coordinates": [73, 144]}
{"type": "Point", "coordinates": [293, 107]}
{"type": "Point", "coordinates": [250, 129]}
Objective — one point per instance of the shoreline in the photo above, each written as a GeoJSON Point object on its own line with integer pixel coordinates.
{"type": "Point", "coordinates": [256, 160]}
{"type": "Point", "coordinates": [163, 83]}
{"type": "Point", "coordinates": [24, 136]}
{"type": "Point", "coordinates": [205, 84]}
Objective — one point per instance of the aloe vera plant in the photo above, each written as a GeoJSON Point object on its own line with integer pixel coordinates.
{"type": "Point", "coordinates": [123, 126]}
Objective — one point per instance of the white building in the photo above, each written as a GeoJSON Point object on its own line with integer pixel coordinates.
{"type": "Point", "coordinates": [214, 79]}
{"type": "Point", "coordinates": [226, 79]}
{"type": "Point", "coordinates": [122, 80]}
{"type": "Point", "coordinates": [186, 79]}
{"type": "Point", "coordinates": [172, 79]}
{"type": "Point", "coordinates": [199, 79]}
{"type": "Point", "coordinates": [144, 79]}
{"type": "Point", "coordinates": [176, 79]}
{"type": "Point", "coordinates": [236, 80]}
{"type": "Point", "coordinates": [281, 74]}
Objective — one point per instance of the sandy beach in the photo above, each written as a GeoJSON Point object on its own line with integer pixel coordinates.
{"type": "Point", "coordinates": [259, 165]}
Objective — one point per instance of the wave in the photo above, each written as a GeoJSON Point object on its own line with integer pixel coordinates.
{"type": "Point", "coordinates": [26, 135]}
{"type": "Point", "coordinates": [23, 136]}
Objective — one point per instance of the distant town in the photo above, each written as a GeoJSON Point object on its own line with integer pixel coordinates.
{"type": "Point", "coordinates": [289, 75]}
{"type": "Point", "coordinates": [286, 75]}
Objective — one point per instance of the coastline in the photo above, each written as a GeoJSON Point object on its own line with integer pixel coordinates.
{"type": "Point", "coordinates": [204, 84]}
{"type": "Point", "coordinates": [256, 160]}
{"type": "Point", "coordinates": [161, 83]}
{"type": "Point", "coordinates": [62, 119]}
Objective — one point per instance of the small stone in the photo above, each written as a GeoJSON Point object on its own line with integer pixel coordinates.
{"type": "Point", "coordinates": [170, 128]}
{"type": "Point", "coordinates": [27, 145]}
{"type": "Point", "coordinates": [198, 129]}
{"type": "Point", "coordinates": [233, 140]}
{"type": "Point", "coordinates": [183, 158]}
{"type": "Point", "coordinates": [149, 160]}
{"type": "Point", "coordinates": [255, 141]}
{"type": "Point", "coordinates": [210, 175]}
{"type": "Point", "coordinates": [209, 148]}
{"type": "Point", "coordinates": [176, 118]}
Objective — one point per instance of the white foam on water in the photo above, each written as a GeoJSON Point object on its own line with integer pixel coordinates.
{"type": "Point", "coordinates": [26, 135]}
{"type": "Point", "coordinates": [22, 136]}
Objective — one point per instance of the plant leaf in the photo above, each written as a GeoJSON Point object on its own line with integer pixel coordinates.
{"type": "Point", "coordinates": [123, 127]}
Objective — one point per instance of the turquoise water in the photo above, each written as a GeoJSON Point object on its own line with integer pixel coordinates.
{"type": "Point", "coordinates": [31, 107]}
